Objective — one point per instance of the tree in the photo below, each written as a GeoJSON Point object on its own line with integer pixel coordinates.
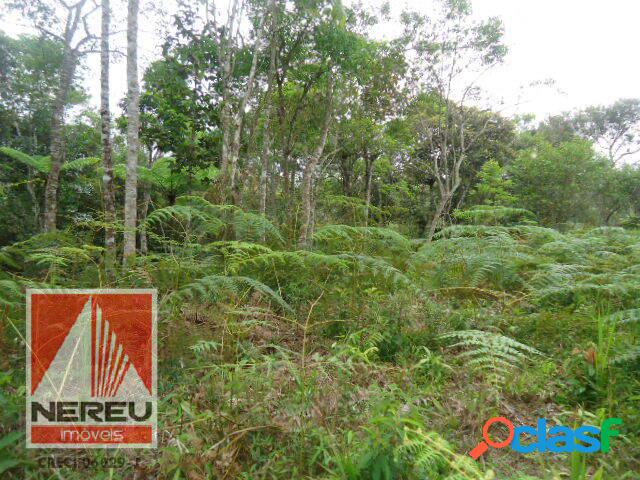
{"type": "Point", "coordinates": [133, 124]}
{"type": "Point", "coordinates": [493, 187]}
{"type": "Point", "coordinates": [559, 183]}
{"type": "Point", "coordinates": [29, 70]}
{"type": "Point", "coordinates": [233, 111]}
{"type": "Point", "coordinates": [615, 128]}
{"type": "Point", "coordinates": [108, 190]}
{"type": "Point", "coordinates": [453, 48]}
{"type": "Point", "coordinates": [312, 164]}
{"type": "Point", "coordinates": [72, 19]}
{"type": "Point", "coordinates": [266, 141]}
{"type": "Point", "coordinates": [371, 96]}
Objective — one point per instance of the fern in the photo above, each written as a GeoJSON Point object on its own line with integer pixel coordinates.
{"type": "Point", "coordinates": [632, 354]}
{"type": "Point", "coordinates": [252, 227]}
{"type": "Point", "coordinates": [569, 251]}
{"type": "Point", "coordinates": [364, 240]}
{"type": "Point", "coordinates": [10, 293]}
{"type": "Point", "coordinates": [213, 287]}
{"type": "Point", "coordinates": [38, 163]}
{"type": "Point", "coordinates": [227, 255]}
{"type": "Point", "coordinates": [205, 346]}
{"type": "Point", "coordinates": [80, 164]}
{"type": "Point", "coordinates": [431, 456]}
{"type": "Point", "coordinates": [496, 260]}
{"type": "Point", "coordinates": [42, 164]}
{"type": "Point", "coordinates": [625, 316]}
{"type": "Point", "coordinates": [378, 270]}
{"type": "Point", "coordinates": [187, 222]}
{"type": "Point", "coordinates": [535, 235]}
{"type": "Point", "coordinates": [588, 292]}
{"type": "Point", "coordinates": [494, 215]}
{"type": "Point", "coordinates": [354, 207]}
{"type": "Point", "coordinates": [492, 354]}
{"type": "Point", "coordinates": [340, 267]}
{"type": "Point", "coordinates": [301, 260]}
{"type": "Point", "coordinates": [554, 275]}
{"type": "Point", "coordinates": [472, 231]}
{"type": "Point", "coordinates": [246, 225]}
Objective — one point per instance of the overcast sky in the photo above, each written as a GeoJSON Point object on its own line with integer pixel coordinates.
{"type": "Point", "coordinates": [589, 47]}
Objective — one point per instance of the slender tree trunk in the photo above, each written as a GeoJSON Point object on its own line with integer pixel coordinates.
{"type": "Point", "coordinates": [133, 114]}
{"type": "Point", "coordinates": [234, 153]}
{"type": "Point", "coordinates": [266, 145]}
{"type": "Point", "coordinates": [310, 169]}
{"type": "Point", "coordinates": [368, 176]}
{"type": "Point", "coordinates": [436, 217]}
{"type": "Point", "coordinates": [312, 221]}
{"type": "Point", "coordinates": [146, 201]}
{"type": "Point", "coordinates": [232, 123]}
{"type": "Point", "coordinates": [225, 58]}
{"type": "Point", "coordinates": [108, 191]}
{"type": "Point", "coordinates": [35, 201]}
{"type": "Point", "coordinates": [69, 62]}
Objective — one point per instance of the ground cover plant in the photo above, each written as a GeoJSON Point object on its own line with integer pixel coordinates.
{"type": "Point", "coordinates": [358, 260]}
{"type": "Point", "coordinates": [366, 356]}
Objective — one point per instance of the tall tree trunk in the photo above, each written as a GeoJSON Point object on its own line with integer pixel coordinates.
{"type": "Point", "coordinates": [225, 58]}
{"type": "Point", "coordinates": [310, 169]}
{"type": "Point", "coordinates": [312, 220]}
{"type": "Point", "coordinates": [146, 201]}
{"type": "Point", "coordinates": [234, 153]}
{"type": "Point", "coordinates": [35, 201]}
{"type": "Point", "coordinates": [108, 191]}
{"type": "Point", "coordinates": [133, 114]}
{"type": "Point", "coordinates": [368, 176]}
{"type": "Point", "coordinates": [266, 145]}
{"type": "Point", "coordinates": [69, 61]}
{"type": "Point", "coordinates": [440, 207]}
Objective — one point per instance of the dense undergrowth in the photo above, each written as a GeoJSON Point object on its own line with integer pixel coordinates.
{"type": "Point", "coordinates": [368, 356]}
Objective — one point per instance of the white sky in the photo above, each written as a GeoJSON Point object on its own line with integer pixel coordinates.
{"type": "Point", "coordinates": [589, 47]}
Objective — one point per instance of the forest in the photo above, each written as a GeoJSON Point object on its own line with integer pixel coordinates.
{"type": "Point", "coordinates": [359, 258]}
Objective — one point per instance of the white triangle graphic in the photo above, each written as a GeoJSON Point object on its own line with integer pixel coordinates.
{"type": "Point", "coordinates": [70, 375]}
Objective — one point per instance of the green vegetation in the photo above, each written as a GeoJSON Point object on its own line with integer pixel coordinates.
{"type": "Point", "coordinates": [369, 355]}
{"type": "Point", "coordinates": [356, 267]}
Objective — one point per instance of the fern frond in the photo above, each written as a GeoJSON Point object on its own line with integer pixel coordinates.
{"type": "Point", "coordinates": [630, 355]}
{"type": "Point", "coordinates": [10, 293]}
{"type": "Point", "coordinates": [625, 316]}
{"type": "Point", "coordinates": [247, 226]}
{"type": "Point", "coordinates": [494, 215]}
{"type": "Point", "coordinates": [213, 287]}
{"type": "Point", "coordinates": [300, 259]}
{"type": "Point", "coordinates": [205, 346]}
{"type": "Point", "coordinates": [80, 164]}
{"type": "Point", "coordinates": [343, 237]}
{"type": "Point", "coordinates": [490, 352]}
{"type": "Point", "coordinates": [379, 269]}
{"type": "Point", "coordinates": [252, 227]}
{"type": "Point", "coordinates": [472, 231]}
{"type": "Point", "coordinates": [186, 218]}
{"type": "Point", "coordinates": [39, 163]}
{"type": "Point", "coordinates": [431, 456]}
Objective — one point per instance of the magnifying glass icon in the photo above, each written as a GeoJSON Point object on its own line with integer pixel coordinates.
{"type": "Point", "coordinates": [482, 447]}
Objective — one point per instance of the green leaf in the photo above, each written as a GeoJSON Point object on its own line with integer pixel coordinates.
{"type": "Point", "coordinates": [41, 164]}
{"type": "Point", "coordinates": [8, 464]}
{"type": "Point", "coordinates": [80, 164]}
{"type": "Point", "coordinates": [10, 439]}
